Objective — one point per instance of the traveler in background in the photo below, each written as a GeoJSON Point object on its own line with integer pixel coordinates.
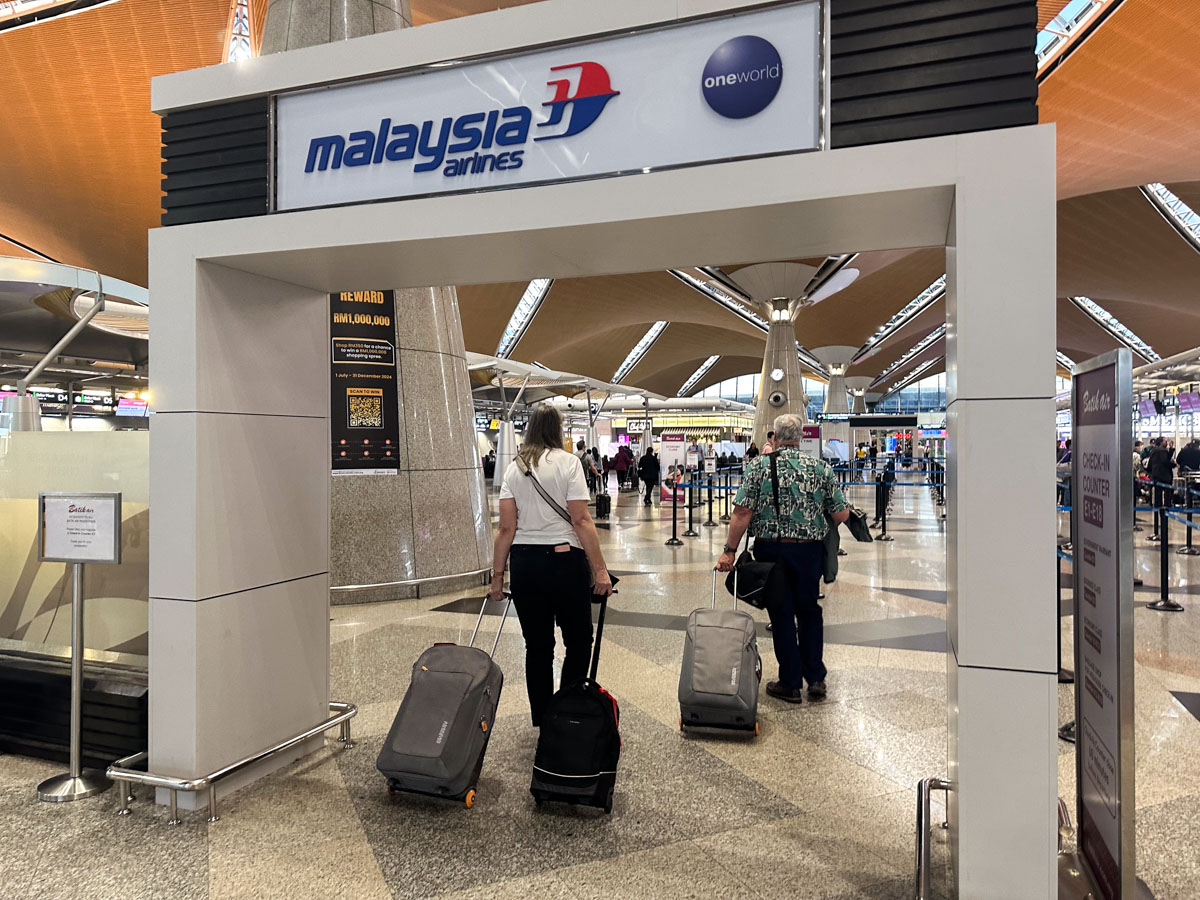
{"type": "Point", "coordinates": [621, 465]}
{"type": "Point", "coordinates": [590, 473]}
{"type": "Point", "coordinates": [1137, 457]}
{"type": "Point", "coordinates": [1146, 451]}
{"type": "Point", "coordinates": [1161, 467]}
{"type": "Point", "coordinates": [751, 452]}
{"type": "Point", "coordinates": [648, 470]}
{"type": "Point", "coordinates": [553, 561]}
{"type": "Point", "coordinates": [793, 540]}
{"type": "Point", "coordinates": [1066, 454]}
{"type": "Point", "coordinates": [769, 443]}
{"type": "Point", "coordinates": [1189, 457]}
{"type": "Point", "coordinates": [873, 454]}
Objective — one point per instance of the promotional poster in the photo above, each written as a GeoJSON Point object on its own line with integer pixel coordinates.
{"type": "Point", "coordinates": [364, 406]}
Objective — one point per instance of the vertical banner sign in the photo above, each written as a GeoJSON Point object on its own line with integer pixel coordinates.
{"type": "Point", "coordinates": [364, 405]}
{"type": "Point", "coordinates": [1102, 520]}
{"type": "Point", "coordinates": [672, 450]}
{"type": "Point", "coordinates": [810, 440]}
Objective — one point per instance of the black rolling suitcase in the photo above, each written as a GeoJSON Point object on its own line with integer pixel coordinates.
{"type": "Point", "coordinates": [580, 742]}
{"type": "Point", "coordinates": [440, 735]}
{"type": "Point", "coordinates": [603, 502]}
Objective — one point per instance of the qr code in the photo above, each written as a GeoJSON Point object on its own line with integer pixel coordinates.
{"type": "Point", "coordinates": [366, 412]}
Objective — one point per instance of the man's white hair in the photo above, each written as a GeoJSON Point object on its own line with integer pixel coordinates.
{"type": "Point", "coordinates": [789, 428]}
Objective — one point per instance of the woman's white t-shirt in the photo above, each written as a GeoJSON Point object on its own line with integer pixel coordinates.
{"type": "Point", "coordinates": [561, 474]}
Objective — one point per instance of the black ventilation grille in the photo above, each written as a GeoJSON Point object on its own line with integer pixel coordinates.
{"type": "Point", "coordinates": [905, 69]}
{"type": "Point", "coordinates": [215, 162]}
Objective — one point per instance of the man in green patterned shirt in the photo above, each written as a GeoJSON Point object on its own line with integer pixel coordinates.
{"type": "Point", "coordinates": [786, 515]}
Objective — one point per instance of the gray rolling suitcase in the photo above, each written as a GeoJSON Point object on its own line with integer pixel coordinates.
{"type": "Point", "coordinates": [718, 683]}
{"type": "Point", "coordinates": [440, 735]}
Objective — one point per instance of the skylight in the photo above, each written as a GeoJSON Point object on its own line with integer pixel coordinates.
{"type": "Point", "coordinates": [239, 33]}
{"type": "Point", "coordinates": [1179, 214]}
{"type": "Point", "coordinates": [1063, 28]}
{"type": "Point", "coordinates": [527, 308]}
{"type": "Point", "coordinates": [727, 300]}
{"type": "Point", "coordinates": [911, 310]}
{"type": "Point", "coordinates": [913, 375]}
{"type": "Point", "coordinates": [919, 347]}
{"type": "Point", "coordinates": [640, 349]}
{"type": "Point", "coordinates": [697, 375]}
{"type": "Point", "coordinates": [1065, 361]}
{"type": "Point", "coordinates": [1113, 326]}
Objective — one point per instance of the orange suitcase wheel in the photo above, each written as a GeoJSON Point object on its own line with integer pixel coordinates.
{"type": "Point", "coordinates": [469, 800]}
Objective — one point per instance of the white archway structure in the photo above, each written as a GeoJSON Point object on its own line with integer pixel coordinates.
{"type": "Point", "coordinates": [239, 638]}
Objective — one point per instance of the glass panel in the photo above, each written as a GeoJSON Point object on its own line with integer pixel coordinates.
{"type": "Point", "coordinates": [35, 598]}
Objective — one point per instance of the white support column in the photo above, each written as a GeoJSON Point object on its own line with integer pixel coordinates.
{"type": "Point", "coordinates": [239, 485]}
{"type": "Point", "coordinates": [1001, 612]}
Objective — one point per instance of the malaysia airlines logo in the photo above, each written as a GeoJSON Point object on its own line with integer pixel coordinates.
{"type": "Point", "coordinates": [591, 96]}
{"type": "Point", "coordinates": [462, 145]}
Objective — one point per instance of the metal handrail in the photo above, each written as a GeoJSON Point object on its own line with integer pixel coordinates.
{"type": "Point", "coordinates": [124, 776]}
{"type": "Point", "coordinates": [486, 570]}
{"type": "Point", "coordinates": [924, 787]}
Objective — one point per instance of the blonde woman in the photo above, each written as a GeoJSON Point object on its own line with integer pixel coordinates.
{"type": "Point", "coordinates": [548, 537]}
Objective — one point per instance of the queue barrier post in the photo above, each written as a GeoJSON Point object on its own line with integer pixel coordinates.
{"type": "Point", "coordinates": [728, 487]}
{"type": "Point", "coordinates": [1164, 603]}
{"type": "Point", "coordinates": [691, 501]}
{"type": "Point", "coordinates": [882, 500]}
{"type": "Point", "coordinates": [673, 540]}
{"type": "Point", "coordinates": [1187, 549]}
{"type": "Point", "coordinates": [711, 523]}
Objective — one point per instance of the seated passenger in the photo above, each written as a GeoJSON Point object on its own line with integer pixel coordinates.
{"type": "Point", "coordinates": [790, 534]}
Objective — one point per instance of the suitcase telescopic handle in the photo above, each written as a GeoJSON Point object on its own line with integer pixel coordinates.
{"type": "Point", "coordinates": [479, 621]}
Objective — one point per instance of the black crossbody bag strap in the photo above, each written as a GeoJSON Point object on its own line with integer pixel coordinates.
{"type": "Point", "coordinates": [545, 495]}
{"type": "Point", "coordinates": [774, 481]}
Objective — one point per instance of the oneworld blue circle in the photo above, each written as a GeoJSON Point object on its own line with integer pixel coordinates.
{"type": "Point", "coordinates": [742, 77]}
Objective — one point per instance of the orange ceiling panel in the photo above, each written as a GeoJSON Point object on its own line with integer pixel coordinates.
{"type": "Point", "coordinates": [1127, 100]}
{"type": "Point", "coordinates": [79, 173]}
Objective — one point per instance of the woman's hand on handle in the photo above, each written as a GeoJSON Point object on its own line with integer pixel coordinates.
{"type": "Point", "coordinates": [496, 591]}
{"type": "Point", "coordinates": [603, 586]}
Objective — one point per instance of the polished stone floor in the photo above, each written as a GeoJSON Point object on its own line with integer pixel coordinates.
{"type": "Point", "coordinates": [820, 805]}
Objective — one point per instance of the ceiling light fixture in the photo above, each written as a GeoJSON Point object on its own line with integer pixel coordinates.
{"type": "Point", "coordinates": [1065, 361]}
{"type": "Point", "coordinates": [915, 350]}
{"type": "Point", "coordinates": [911, 310]}
{"type": "Point", "coordinates": [522, 316]}
{"type": "Point", "coordinates": [1113, 326]}
{"type": "Point", "coordinates": [640, 349]}
{"type": "Point", "coordinates": [697, 375]}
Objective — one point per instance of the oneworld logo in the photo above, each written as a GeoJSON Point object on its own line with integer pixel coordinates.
{"type": "Point", "coordinates": [742, 77]}
{"type": "Point", "coordinates": [461, 146]}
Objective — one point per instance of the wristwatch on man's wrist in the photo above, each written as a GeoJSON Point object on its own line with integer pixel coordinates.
{"type": "Point", "coordinates": [728, 549]}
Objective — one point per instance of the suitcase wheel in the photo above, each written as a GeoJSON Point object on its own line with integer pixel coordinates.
{"type": "Point", "coordinates": [681, 723]}
{"type": "Point", "coordinates": [608, 803]}
{"type": "Point", "coordinates": [469, 800]}
{"type": "Point", "coordinates": [756, 729]}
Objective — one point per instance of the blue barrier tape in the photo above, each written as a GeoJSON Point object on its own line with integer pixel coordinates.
{"type": "Point", "coordinates": [1178, 518]}
{"type": "Point", "coordinates": [1062, 554]}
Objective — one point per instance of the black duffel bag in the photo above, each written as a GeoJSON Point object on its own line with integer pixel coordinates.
{"type": "Point", "coordinates": [750, 580]}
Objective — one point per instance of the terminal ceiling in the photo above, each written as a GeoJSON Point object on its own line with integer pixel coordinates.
{"type": "Point", "coordinates": [79, 183]}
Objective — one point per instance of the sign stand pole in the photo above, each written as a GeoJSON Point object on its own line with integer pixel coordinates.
{"type": "Point", "coordinates": [691, 501]}
{"type": "Point", "coordinates": [711, 523]}
{"type": "Point", "coordinates": [78, 782]}
{"type": "Point", "coordinates": [728, 487]}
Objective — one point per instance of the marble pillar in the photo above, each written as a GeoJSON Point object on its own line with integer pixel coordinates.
{"type": "Point", "coordinates": [857, 385]}
{"type": "Point", "coordinates": [836, 359]}
{"type": "Point", "coordinates": [781, 387]}
{"type": "Point", "coordinates": [431, 520]}
{"type": "Point", "coordinates": [292, 24]}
